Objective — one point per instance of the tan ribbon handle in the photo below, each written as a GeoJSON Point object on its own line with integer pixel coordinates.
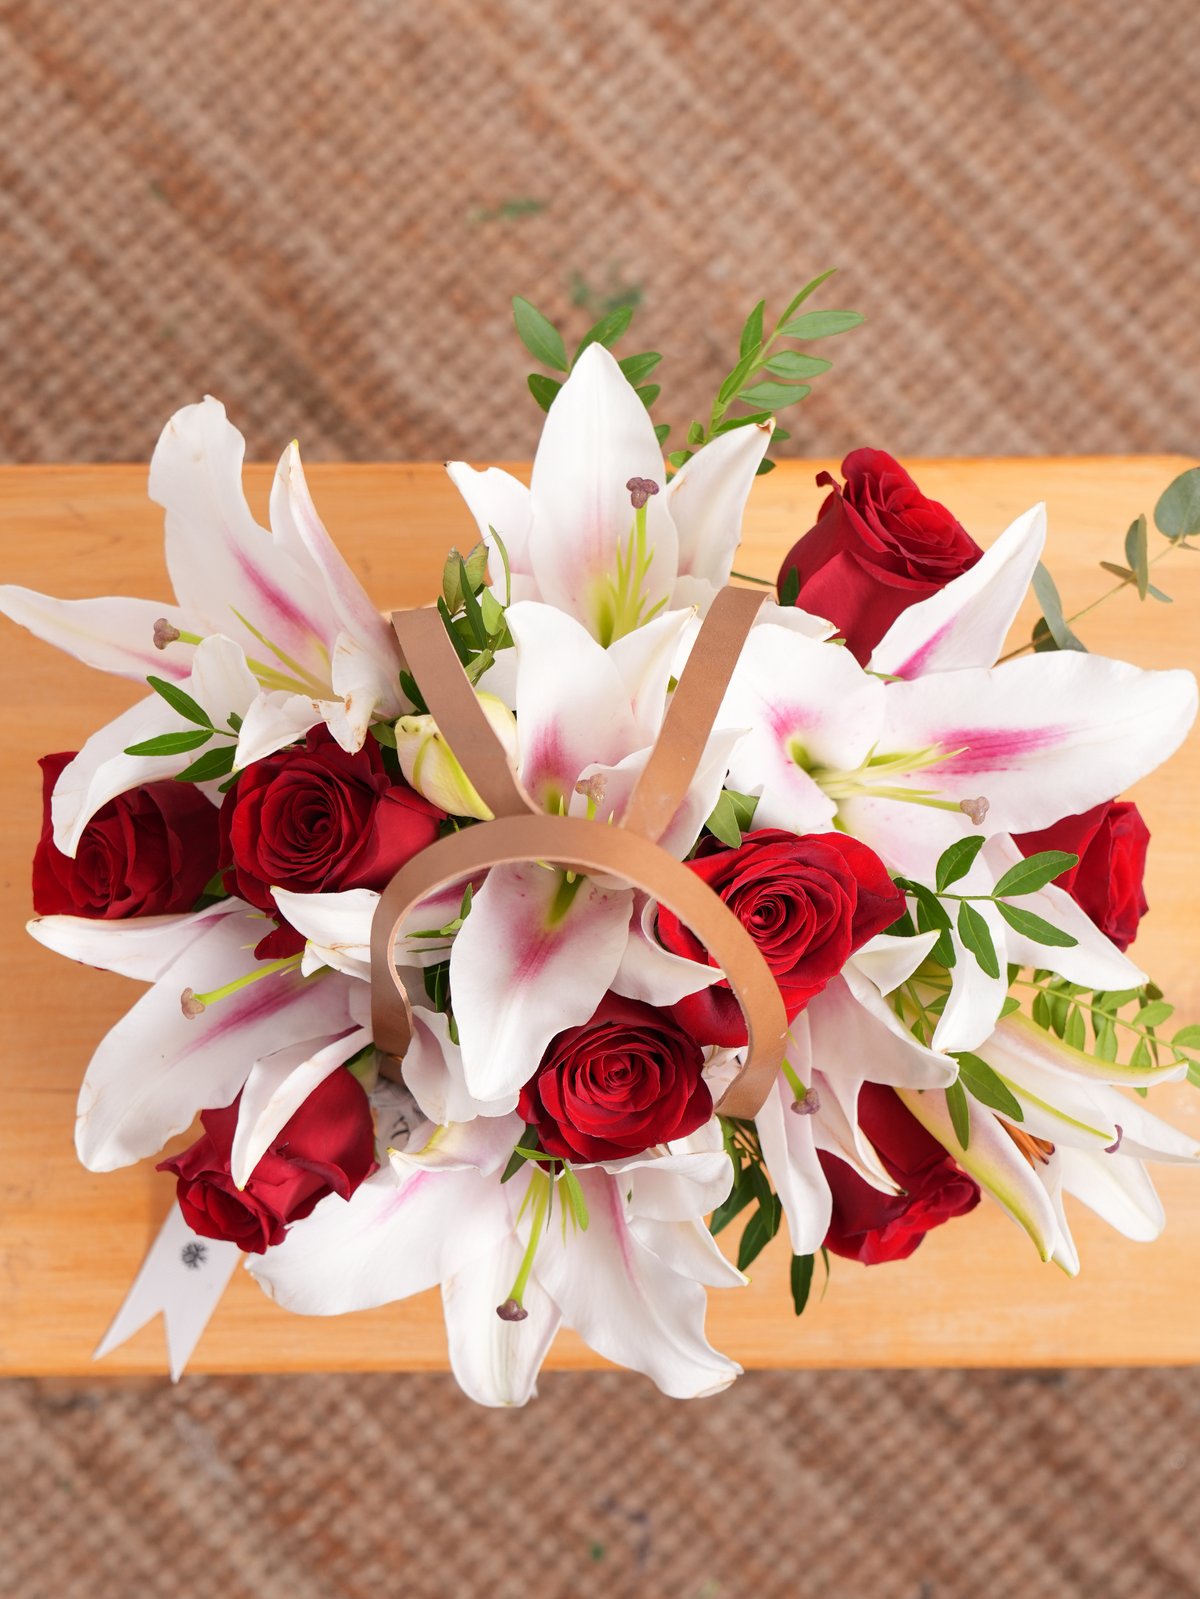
{"type": "Point", "coordinates": [629, 851]}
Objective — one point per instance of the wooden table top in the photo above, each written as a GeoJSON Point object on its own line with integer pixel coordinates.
{"type": "Point", "coordinates": [975, 1293]}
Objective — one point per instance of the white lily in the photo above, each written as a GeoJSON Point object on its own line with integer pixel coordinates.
{"type": "Point", "coordinates": [631, 1283]}
{"type": "Point", "coordinates": [314, 647]}
{"type": "Point", "coordinates": [1038, 738]}
{"type": "Point", "coordinates": [159, 1067]}
{"type": "Point", "coordinates": [538, 951]}
{"type": "Point", "coordinates": [573, 539]}
{"type": "Point", "coordinates": [1079, 1134]}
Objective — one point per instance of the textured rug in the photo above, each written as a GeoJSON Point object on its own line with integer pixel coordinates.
{"type": "Point", "coordinates": [319, 212]}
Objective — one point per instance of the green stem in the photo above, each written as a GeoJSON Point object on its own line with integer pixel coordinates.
{"type": "Point", "coordinates": [540, 1203]}
{"type": "Point", "coordinates": [1126, 582]}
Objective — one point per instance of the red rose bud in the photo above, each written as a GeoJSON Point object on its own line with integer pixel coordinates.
{"type": "Point", "coordinates": [150, 852]}
{"type": "Point", "coordinates": [1110, 841]}
{"type": "Point", "coordinates": [317, 821]}
{"type": "Point", "coordinates": [878, 547]}
{"type": "Point", "coordinates": [808, 902]}
{"type": "Point", "coordinates": [627, 1079]}
{"type": "Point", "coordinates": [328, 1147]}
{"type": "Point", "coordinates": [874, 1227]}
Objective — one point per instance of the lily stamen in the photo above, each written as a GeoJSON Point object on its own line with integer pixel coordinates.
{"type": "Point", "coordinates": [513, 1308]}
{"type": "Point", "coordinates": [192, 1003]}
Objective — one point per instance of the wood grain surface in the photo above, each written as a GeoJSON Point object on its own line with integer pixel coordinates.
{"type": "Point", "coordinates": [974, 1294]}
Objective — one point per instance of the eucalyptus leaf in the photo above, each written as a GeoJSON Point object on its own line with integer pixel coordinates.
{"type": "Point", "coordinates": [539, 335]}
{"type": "Point", "coordinates": [822, 324]}
{"type": "Point", "coordinates": [1046, 590]}
{"type": "Point", "coordinates": [1177, 513]}
{"type": "Point", "coordinates": [1137, 553]}
{"type": "Point", "coordinates": [1033, 927]}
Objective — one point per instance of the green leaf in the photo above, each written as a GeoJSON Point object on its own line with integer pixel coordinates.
{"type": "Point", "coordinates": [1075, 1032]}
{"type": "Point", "coordinates": [978, 1078]}
{"type": "Point", "coordinates": [539, 335]}
{"type": "Point", "coordinates": [723, 822]}
{"type": "Point", "coordinates": [1041, 1011]}
{"type": "Point", "coordinates": [1157, 594]}
{"type": "Point", "coordinates": [1123, 572]}
{"type": "Point", "coordinates": [736, 378]}
{"type": "Point", "coordinates": [1106, 1041]}
{"type": "Point", "coordinates": [1046, 590]}
{"type": "Point", "coordinates": [179, 701]}
{"type": "Point", "coordinates": [822, 324]}
{"type": "Point", "coordinates": [1042, 638]}
{"type": "Point", "coordinates": [739, 1197]}
{"type": "Point", "coordinates": [1034, 927]}
{"type": "Point", "coordinates": [1154, 1014]}
{"type": "Point", "coordinates": [976, 936]}
{"type": "Point", "coordinates": [408, 686]}
{"type": "Point", "coordinates": [527, 1140]}
{"type": "Point", "coordinates": [543, 389]}
{"type": "Point", "coordinates": [957, 860]}
{"type": "Point", "coordinates": [213, 763]}
{"type": "Point", "coordinates": [648, 393]}
{"type": "Point", "coordinates": [791, 364]}
{"type": "Point", "coordinates": [802, 1276]}
{"type": "Point", "coordinates": [809, 288]}
{"type": "Point", "coordinates": [790, 592]}
{"type": "Point", "coordinates": [695, 434]}
{"type": "Point", "coordinates": [661, 429]}
{"type": "Point", "coordinates": [942, 953]}
{"type": "Point", "coordinates": [171, 743]}
{"type": "Point", "coordinates": [1137, 553]}
{"type": "Point", "coordinates": [776, 395]}
{"type": "Point", "coordinates": [779, 434]}
{"type": "Point", "coordinates": [960, 1113]}
{"type": "Point", "coordinates": [752, 333]}
{"type": "Point", "coordinates": [1177, 513]}
{"type": "Point", "coordinates": [928, 904]}
{"type": "Point", "coordinates": [471, 605]}
{"type": "Point", "coordinates": [606, 332]}
{"type": "Point", "coordinates": [575, 1197]}
{"type": "Point", "coordinates": [744, 806]}
{"type": "Point", "coordinates": [1187, 1037]}
{"type": "Point", "coordinates": [902, 927]}
{"type": "Point", "coordinates": [492, 611]}
{"type": "Point", "coordinates": [1034, 872]}
{"type": "Point", "coordinates": [763, 467]}
{"type": "Point", "coordinates": [678, 457]}
{"type": "Point", "coordinates": [760, 1230]}
{"type": "Point", "coordinates": [1141, 1054]}
{"type": "Point", "coordinates": [1011, 1003]}
{"type": "Point", "coordinates": [461, 648]}
{"type": "Point", "coordinates": [731, 422]}
{"type": "Point", "coordinates": [639, 367]}
{"type": "Point", "coordinates": [1059, 1008]}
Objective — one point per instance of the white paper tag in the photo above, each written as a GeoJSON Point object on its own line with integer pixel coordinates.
{"type": "Point", "coordinates": [184, 1276]}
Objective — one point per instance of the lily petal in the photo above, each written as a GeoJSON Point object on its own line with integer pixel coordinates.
{"type": "Point", "coordinates": [498, 500]}
{"type": "Point", "coordinates": [707, 499]}
{"type": "Point", "coordinates": [889, 961]}
{"type": "Point", "coordinates": [113, 635]}
{"type": "Point", "coordinates": [388, 1242]}
{"type": "Point", "coordinates": [597, 436]}
{"type": "Point", "coordinates": [157, 1069]}
{"type": "Point", "coordinates": [497, 1362]}
{"type": "Point", "coordinates": [791, 1158]}
{"type": "Point", "coordinates": [277, 1086]}
{"type": "Point", "coordinates": [523, 969]}
{"type": "Point", "coordinates": [433, 1071]}
{"type": "Point", "coordinates": [142, 947]}
{"type": "Point", "coordinates": [625, 1303]}
{"type": "Point", "coordinates": [1119, 1191]}
{"type": "Point", "coordinates": [651, 973]}
{"type": "Point", "coordinates": [966, 623]}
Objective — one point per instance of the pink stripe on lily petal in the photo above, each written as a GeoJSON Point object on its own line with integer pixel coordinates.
{"type": "Point", "coordinates": [991, 749]}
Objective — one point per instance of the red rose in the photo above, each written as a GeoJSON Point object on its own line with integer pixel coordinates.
{"type": "Point", "coordinates": [1110, 841]}
{"type": "Point", "coordinates": [317, 821]}
{"type": "Point", "coordinates": [328, 1147]}
{"type": "Point", "coordinates": [874, 1227]}
{"type": "Point", "coordinates": [625, 1080]}
{"type": "Point", "coordinates": [150, 851]}
{"type": "Point", "coordinates": [878, 547]}
{"type": "Point", "coordinates": [808, 902]}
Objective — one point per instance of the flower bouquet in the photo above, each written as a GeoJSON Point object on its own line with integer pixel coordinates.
{"type": "Point", "coordinates": [521, 944]}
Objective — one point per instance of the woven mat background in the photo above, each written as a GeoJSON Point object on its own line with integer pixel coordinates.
{"type": "Point", "coordinates": [319, 211]}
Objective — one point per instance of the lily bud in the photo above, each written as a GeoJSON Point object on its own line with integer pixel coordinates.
{"type": "Point", "coordinates": [431, 767]}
